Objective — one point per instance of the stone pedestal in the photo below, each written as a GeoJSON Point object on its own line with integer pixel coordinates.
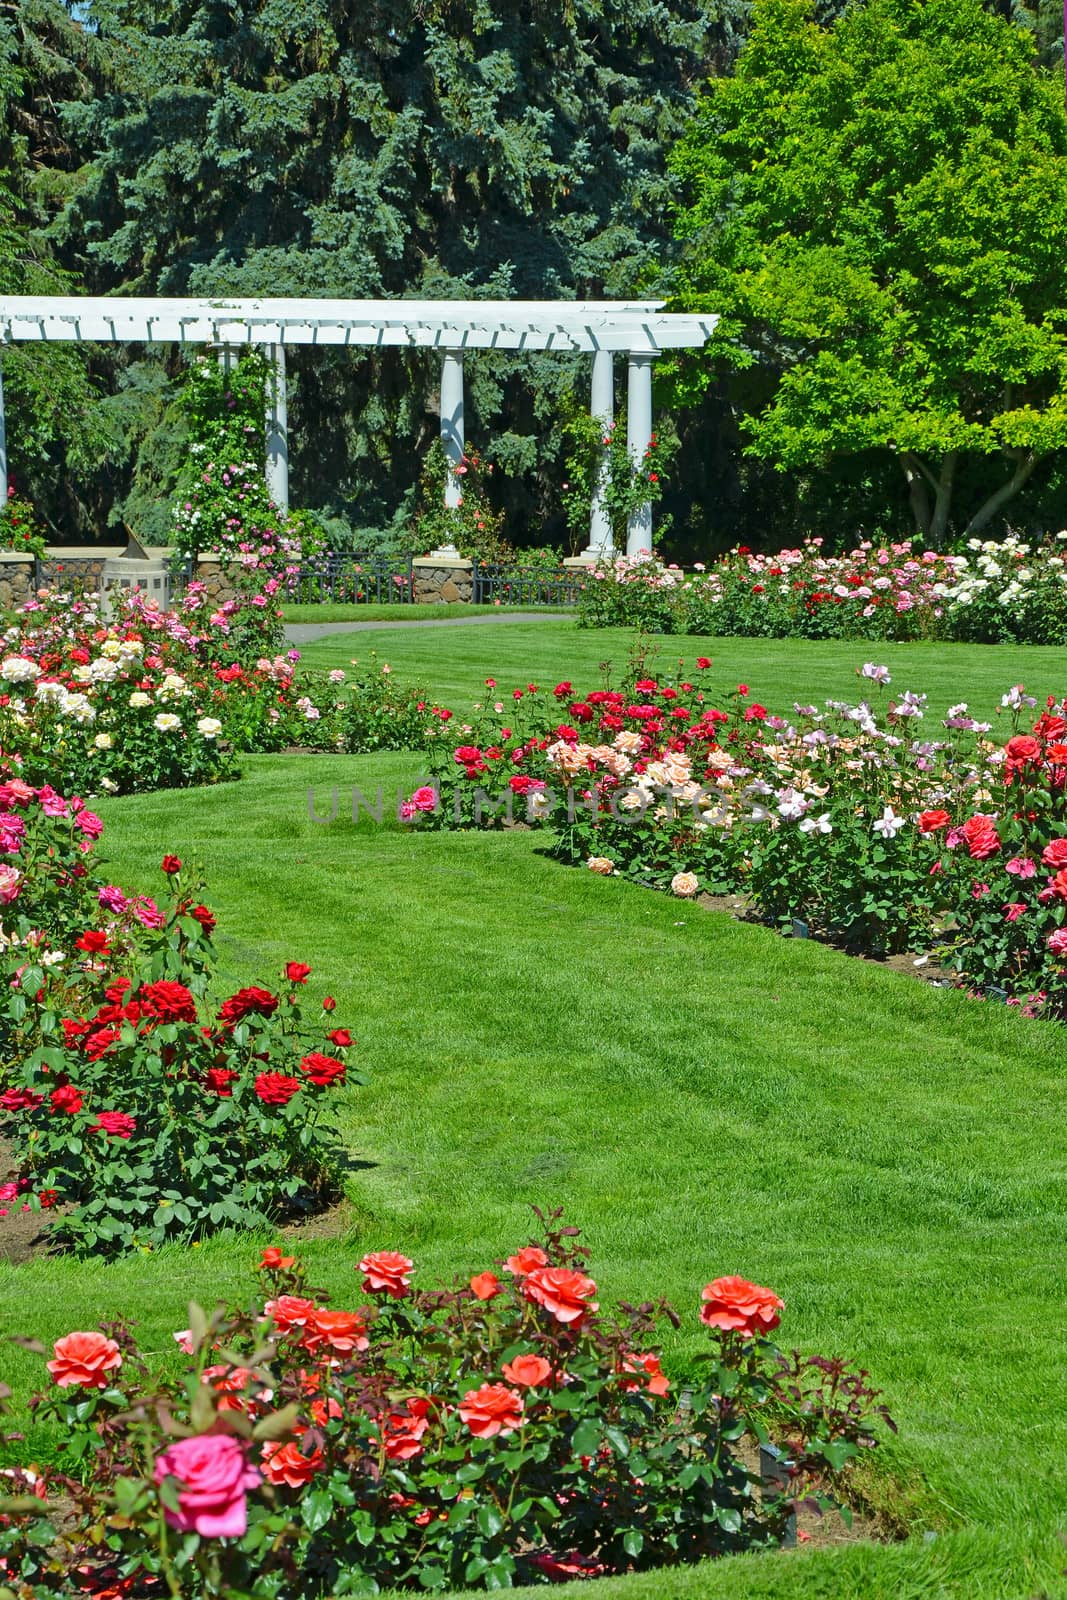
{"type": "Point", "coordinates": [218, 584]}
{"type": "Point", "coordinates": [17, 579]}
{"type": "Point", "coordinates": [440, 578]}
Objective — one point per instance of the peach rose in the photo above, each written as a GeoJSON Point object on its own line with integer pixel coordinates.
{"type": "Point", "coordinates": [84, 1360]}
{"type": "Point", "coordinates": [492, 1409]}
{"type": "Point", "coordinates": [685, 884]}
{"type": "Point", "coordinates": [734, 1303]}
{"type": "Point", "coordinates": [602, 865]}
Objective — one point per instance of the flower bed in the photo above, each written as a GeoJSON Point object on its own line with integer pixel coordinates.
{"type": "Point", "coordinates": [161, 699]}
{"type": "Point", "coordinates": [133, 1102]}
{"type": "Point", "coordinates": [999, 592]}
{"type": "Point", "coordinates": [854, 820]}
{"type": "Point", "coordinates": [499, 1431]}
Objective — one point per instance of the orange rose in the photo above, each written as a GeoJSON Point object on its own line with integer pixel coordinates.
{"type": "Point", "coordinates": [485, 1285]}
{"type": "Point", "coordinates": [647, 1367]}
{"type": "Point", "coordinates": [284, 1464]}
{"type": "Point", "coordinates": [1059, 884]}
{"type": "Point", "coordinates": [386, 1270]}
{"type": "Point", "coordinates": [402, 1431]}
{"type": "Point", "coordinates": [525, 1260]}
{"type": "Point", "coordinates": [273, 1260]}
{"type": "Point", "coordinates": [290, 1311]}
{"type": "Point", "coordinates": [529, 1372]}
{"type": "Point", "coordinates": [83, 1361]}
{"type": "Point", "coordinates": [568, 1295]}
{"type": "Point", "coordinates": [343, 1331]}
{"type": "Point", "coordinates": [736, 1303]}
{"type": "Point", "coordinates": [490, 1410]}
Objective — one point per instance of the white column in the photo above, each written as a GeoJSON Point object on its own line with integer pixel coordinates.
{"type": "Point", "coordinates": [602, 409]}
{"type": "Point", "coordinates": [452, 419]}
{"type": "Point", "coordinates": [451, 434]}
{"type": "Point", "coordinates": [3, 442]}
{"type": "Point", "coordinates": [638, 436]}
{"type": "Point", "coordinates": [277, 464]}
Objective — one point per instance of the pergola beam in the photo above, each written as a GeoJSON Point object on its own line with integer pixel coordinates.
{"type": "Point", "coordinates": [640, 328]}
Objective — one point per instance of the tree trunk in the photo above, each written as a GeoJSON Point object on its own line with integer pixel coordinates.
{"type": "Point", "coordinates": [1006, 492]}
{"type": "Point", "coordinates": [943, 502]}
{"type": "Point", "coordinates": [918, 493]}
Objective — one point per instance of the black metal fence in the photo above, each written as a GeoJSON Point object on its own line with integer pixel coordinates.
{"type": "Point", "coordinates": [352, 580]}
{"type": "Point", "coordinates": [499, 585]}
{"type": "Point", "coordinates": [364, 579]}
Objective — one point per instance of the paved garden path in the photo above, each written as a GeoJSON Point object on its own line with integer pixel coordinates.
{"type": "Point", "coordinates": [305, 632]}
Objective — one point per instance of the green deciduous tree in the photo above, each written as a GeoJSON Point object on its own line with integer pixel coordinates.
{"type": "Point", "coordinates": [880, 212]}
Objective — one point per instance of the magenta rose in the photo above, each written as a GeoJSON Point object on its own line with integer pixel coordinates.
{"type": "Point", "coordinates": [213, 1475]}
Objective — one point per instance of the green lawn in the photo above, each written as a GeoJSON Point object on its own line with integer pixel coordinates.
{"type": "Point", "coordinates": [703, 1096]}
{"type": "Point", "coordinates": [455, 662]}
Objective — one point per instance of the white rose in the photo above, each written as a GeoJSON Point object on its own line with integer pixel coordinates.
{"type": "Point", "coordinates": [208, 727]}
{"type": "Point", "coordinates": [166, 722]}
{"type": "Point", "coordinates": [102, 741]}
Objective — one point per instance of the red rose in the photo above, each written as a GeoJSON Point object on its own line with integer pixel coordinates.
{"type": "Point", "coordinates": [66, 1098]}
{"type": "Point", "coordinates": [703, 662]}
{"type": "Point", "coordinates": [84, 1360]}
{"type": "Point", "coordinates": [20, 1100]}
{"type": "Point", "coordinates": [297, 972]}
{"type": "Point", "coordinates": [329, 1003]}
{"type": "Point", "coordinates": [492, 1409]}
{"type": "Point", "coordinates": [742, 688]}
{"type": "Point", "coordinates": [340, 1038]}
{"type": "Point", "coordinates": [1054, 854]}
{"type": "Point", "coordinates": [171, 865]}
{"type": "Point", "coordinates": [386, 1270]}
{"type": "Point", "coordinates": [167, 1001]}
{"type": "Point", "coordinates": [283, 1464]}
{"type": "Point", "coordinates": [322, 1071]}
{"type": "Point", "coordinates": [93, 942]}
{"type": "Point", "coordinates": [568, 1295]}
{"type": "Point", "coordinates": [933, 821]}
{"type": "Point", "coordinates": [981, 837]}
{"type": "Point", "coordinates": [529, 1372]}
{"type": "Point", "coordinates": [1022, 749]}
{"type": "Point", "coordinates": [218, 1080]}
{"type": "Point", "coordinates": [205, 918]}
{"type": "Point", "coordinates": [247, 1002]}
{"type": "Point", "coordinates": [116, 1123]}
{"type": "Point", "coordinates": [275, 1089]}
{"type": "Point", "coordinates": [485, 1285]}
{"type": "Point", "coordinates": [401, 1432]}
{"type": "Point", "coordinates": [734, 1303]}
{"type": "Point", "coordinates": [525, 1260]}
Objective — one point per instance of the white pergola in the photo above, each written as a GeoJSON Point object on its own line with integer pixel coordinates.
{"type": "Point", "coordinates": [638, 329]}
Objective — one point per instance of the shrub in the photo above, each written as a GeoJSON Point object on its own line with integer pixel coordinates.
{"type": "Point", "coordinates": [500, 1431]}
{"type": "Point", "coordinates": [133, 1100]}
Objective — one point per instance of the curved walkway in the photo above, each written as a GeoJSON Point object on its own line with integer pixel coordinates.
{"type": "Point", "coordinates": [306, 632]}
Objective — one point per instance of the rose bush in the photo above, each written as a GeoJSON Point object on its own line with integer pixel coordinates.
{"type": "Point", "coordinates": [998, 592]}
{"type": "Point", "coordinates": [429, 1438]}
{"type": "Point", "coordinates": [851, 821]}
{"type": "Point", "coordinates": [157, 699]}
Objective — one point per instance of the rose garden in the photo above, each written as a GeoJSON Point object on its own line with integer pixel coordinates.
{"type": "Point", "coordinates": [525, 1069]}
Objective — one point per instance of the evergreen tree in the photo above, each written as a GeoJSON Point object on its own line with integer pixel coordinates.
{"type": "Point", "coordinates": [447, 148]}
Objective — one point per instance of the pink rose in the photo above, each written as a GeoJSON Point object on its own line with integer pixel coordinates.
{"type": "Point", "coordinates": [1057, 942]}
{"type": "Point", "coordinates": [10, 884]}
{"type": "Point", "coordinates": [1020, 867]}
{"type": "Point", "coordinates": [213, 1476]}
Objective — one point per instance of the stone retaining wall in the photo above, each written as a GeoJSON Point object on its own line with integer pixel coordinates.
{"type": "Point", "coordinates": [18, 579]}
{"type": "Point", "coordinates": [438, 579]}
